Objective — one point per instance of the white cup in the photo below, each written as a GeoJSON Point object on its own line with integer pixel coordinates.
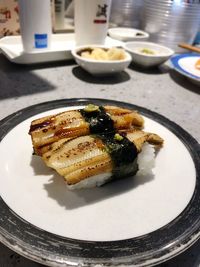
{"type": "Point", "coordinates": [35, 24]}
{"type": "Point", "coordinates": [91, 21]}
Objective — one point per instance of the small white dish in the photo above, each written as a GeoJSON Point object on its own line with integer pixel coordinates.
{"type": "Point", "coordinates": [127, 34]}
{"type": "Point", "coordinates": [100, 67]}
{"type": "Point", "coordinates": [147, 54]}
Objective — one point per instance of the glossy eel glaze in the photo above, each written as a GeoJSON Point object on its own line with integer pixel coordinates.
{"type": "Point", "coordinates": [89, 120]}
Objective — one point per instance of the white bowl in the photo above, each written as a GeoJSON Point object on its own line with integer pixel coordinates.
{"type": "Point", "coordinates": [100, 67]}
{"type": "Point", "coordinates": [161, 53]}
{"type": "Point", "coordinates": [128, 34]}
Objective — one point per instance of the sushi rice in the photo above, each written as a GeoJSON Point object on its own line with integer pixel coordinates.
{"type": "Point", "coordinates": [145, 161]}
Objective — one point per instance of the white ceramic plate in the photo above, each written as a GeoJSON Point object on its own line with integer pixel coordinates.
{"type": "Point", "coordinates": [62, 44]}
{"type": "Point", "coordinates": [138, 221]}
{"type": "Point", "coordinates": [185, 65]}
{"type": "Point", "coordinates": [127, 34]}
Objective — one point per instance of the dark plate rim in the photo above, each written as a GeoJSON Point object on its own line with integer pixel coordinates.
{"type": "Point", "coordinates": [147, 250]}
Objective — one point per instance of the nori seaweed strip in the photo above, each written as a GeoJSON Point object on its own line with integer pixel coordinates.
{"type": "Point", "coordinates": [123, 154]}
{"type": "Point", "coordinates": [98, 120]}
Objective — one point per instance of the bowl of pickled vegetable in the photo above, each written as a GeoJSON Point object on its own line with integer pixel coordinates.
{"type": "Point", "coordinates": [101, 60]}
{"type": "Point", "coordinates": [148, 54]}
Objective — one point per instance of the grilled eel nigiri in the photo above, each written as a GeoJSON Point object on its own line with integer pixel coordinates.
{"type": "Point", "coordinates": [92, 160]}
{"type": "Point", "coordinates": [73, 123]}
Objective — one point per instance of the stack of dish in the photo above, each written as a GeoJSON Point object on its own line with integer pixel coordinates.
{"type": "Point", "coordinates": [170, 22]}
{"type": "Point", "coordinates": [126, 13]}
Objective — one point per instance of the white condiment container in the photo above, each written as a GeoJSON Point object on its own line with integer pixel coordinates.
{"type": "Point", "coordinates": [91, 21]}
{"type": "Point", "coordinates": [35, 24]}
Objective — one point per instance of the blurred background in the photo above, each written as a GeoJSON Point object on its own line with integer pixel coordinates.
{"type": "Point", "coordinates": [167, 21]}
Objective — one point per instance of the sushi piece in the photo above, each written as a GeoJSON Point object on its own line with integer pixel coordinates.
{"type": "Point", "coordinates": [93, 160]}
{"type": "Point", "coordinates": [89, 120]}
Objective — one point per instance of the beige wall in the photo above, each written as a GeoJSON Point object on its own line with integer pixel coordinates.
{"type": "Point", "coordinates": [9, 18]}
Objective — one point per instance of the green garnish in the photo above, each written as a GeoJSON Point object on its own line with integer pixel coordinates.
{"type": "Point", "coordinates": [118, 137]}
{"type": "Point", "coordinates": [147, 51]}
{"type": "Point", "coordinates": [91, 108]}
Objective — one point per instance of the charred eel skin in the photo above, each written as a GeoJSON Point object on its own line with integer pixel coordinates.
{"type": "Point", "coordinates": [73, 123]}
{"type": "Point", "coordinates": [86, 156]}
